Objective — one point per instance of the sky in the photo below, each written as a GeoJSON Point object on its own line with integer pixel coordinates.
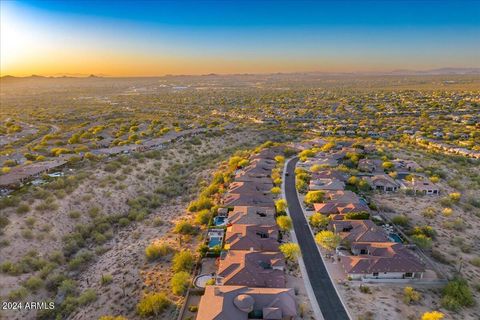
{"type": "Point", "coordinates": [154, 38]}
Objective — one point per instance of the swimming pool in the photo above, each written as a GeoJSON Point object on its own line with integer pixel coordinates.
{"type": "Point", "coordinates": [219, 221]}
{"type": "Point", "coordinates": [214, 241]}
{"type": "Point", "coordinates": [395, 237]}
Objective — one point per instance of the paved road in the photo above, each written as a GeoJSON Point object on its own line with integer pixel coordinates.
{"type": "Point", "coordinates": [329, 302]}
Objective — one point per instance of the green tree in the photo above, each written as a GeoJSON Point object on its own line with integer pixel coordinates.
{"type": "Point", "coordinates": [410, 295]}
{"type": "Point", "coordinates": [152, 304]}
{"type": "Point", "coordinates": [457, 294]}
{"type": "Point", "coordinates": [281, 206]}
{"type": "Point", "coordinates": [179, 282]}
{"type": "Point", "coordinates": [183, 261]}
{"type": "Point", "coordinates": [290, 250]}
{"type": "Point", "coordinates": [314, 197]}
{"type": "Point", "coordinates": [318, 220]}
{"type": "Point", "coordinates": [284, 222]}
{"type": "Point", "coordinates": [328, 240]}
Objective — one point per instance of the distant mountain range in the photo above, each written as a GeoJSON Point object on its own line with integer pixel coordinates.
{"type": "Point", "coordinates": [405, 72]}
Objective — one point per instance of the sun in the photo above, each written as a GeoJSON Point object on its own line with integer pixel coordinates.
{"type": "Point", "coordinates": [17, 41]}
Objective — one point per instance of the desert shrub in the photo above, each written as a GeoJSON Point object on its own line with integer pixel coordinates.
{"type": "Point", "coordinates": [23, 208]}
{"type": "Point", "coordinates": [362, 215]}
{"type": "Point", "coordinates": [425, 230]}
{"type": "Point", "coordinates": [4, 221]}
{"type": "Point", "coordinates": [290, 250]}
{"type": "Point", "coordinates": [193, 308]}
{"type": "Point", "coordinates": [106, 279]}
{"type": "Point", "coordinates": [74, 214]}
{"type": "Point", "coordinates": [475, 261]}
{"type": "Point", "coordinates": [183, 261]}
{"type": "Point", "coordinates": [422, 241]}
{"type": "Point", "coordinates": [401, 220]}
{"type": "Point", "coordinates": [429, 212]}
{"type": "Point", "coordinates": [365, 289]}
{"type": "Point", "coordinates": [410, 295]}
{"type": "Point", "coordinates": [108, 317]}
{"type": "Point", "coordinates": [157, 250]}
{"type": "Point", "coordinates": [284, 223]}
{"type": "Point", "coordinates": [184, 227]}
{"type": "Point", "coordinates": [86, 297]}
{"type": "Point", "coordinates": [203, 217]}
{"type": "Point", "coordinates": [179, 282]}
{"type": "Point", "coordinates": [433, 315]}
{"type": "Point", "coordinates": [200, 204]}
{"type": "Point", "coordinates": [17, 295]}
{"type": "Point", "coordinates": [7, 202]}
{"type": "Point", "coordinates": [457, 294]}
{"type": "Point", "coordinates": [447, 212]}
{"type": "Point", "coordinates": [80, 260]}
{"type": "Point", "coordinates": [152, 304]}
{"type": "Point", "coordinates": [455, 196]}
{"type": "Point", "coordinates": [33, 283]}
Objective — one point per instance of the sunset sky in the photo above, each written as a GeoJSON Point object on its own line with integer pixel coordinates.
{"type": "Point", "coordinates": [122, 38]}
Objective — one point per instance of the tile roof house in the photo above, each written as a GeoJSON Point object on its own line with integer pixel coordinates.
{"type": "Point", "coordinates": [252, 268]}
{"type": "Point", "coordinates": [252, 215]}
{"type": "Point", "coordinates": [249, 187]}
{"type": "Point", "coordinates": [326, 184]}
{"type": "Point", "coordinates": [332, 207]}
{"type": "Point", "coordinates": [405, 165]}
{"type": "Point", "coordinates": [425, 186]}
{"type": "Point", "coordinates": [248, 199]}
{"type": "Point", "coordinates": [358, 231]}
{"type": "Point", "coordinates": [243, 303]}
{"type": "Point", "coordinates": [252, 237]}
{"type": "Point", "coordinates": [370, 165]}
{"type": "Point", "coordinates": [382, 182]}
{"type": "Point", "coordinates": [382, 260]}
{"type": "Point", "coordinates": [342, 196]}
{"type": "Point", "coordinates": [329, 174]}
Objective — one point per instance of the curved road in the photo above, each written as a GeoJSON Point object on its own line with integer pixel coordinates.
{"type": "Point", "coordinates": [328, 300]}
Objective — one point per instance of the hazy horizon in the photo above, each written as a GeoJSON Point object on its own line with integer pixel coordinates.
{"type": "Point", "coordinates": [130, 39]}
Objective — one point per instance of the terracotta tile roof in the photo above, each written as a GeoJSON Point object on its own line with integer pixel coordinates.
{"type": "Point", "coordinates": [248, 199]}
{"type": "Point", "coordinates": [358, 231]}
{"type": "Point", "coordinates": [247, 237]}
{"type": "Point", "coordinates": [235, 302]}
{"type": "Point", "coordinates": [253, 268]}
{"type": "Point", "coordinates": [252, 215]}
{"type": "Point", "coordinates": [383, 257]}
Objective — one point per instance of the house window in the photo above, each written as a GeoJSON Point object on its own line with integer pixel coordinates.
{"type": "Point", "coordinates": [408, 274]}
{"type": "Point", "coordinates": [375, 274]}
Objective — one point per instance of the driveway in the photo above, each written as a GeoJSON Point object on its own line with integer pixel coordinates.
{"type": "Point", "coordinates": [325, 293]}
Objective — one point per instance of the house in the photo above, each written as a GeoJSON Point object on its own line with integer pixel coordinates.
{"type": "Point", "coordinates": [370, 165]}
{"type": "Point", "coordinates": [405, 165]}
{"type": "Point", "coordinates": [341, 196]}
{"type": "Point", "coordinates": [252, 215]}
{"type": "Point", "coordinates": [252, 237]}
{"type": "Point", "coordinates": [382, 182]}
{"type": "Point", "coordinates": [329, 174]}
{"type": "Point", "coordinates": [23, 173]}
{"type": "Point", "coordinates": [243, 303]}
{"type": "Point", "coordinates": [324, 161]}
{"type": "Point", "coordinates": [331, 207]}
{"type": "Point", "coordinates": [382, 260]}
{"type": "Point", "coordinates": [252, 268]}
{"type": "Point", "coordinates": [326, 184]}
{"type": "Point", "coordinates": [248, 199]}
{"type": "Point", "coordinates": [249, 187]}
{"type": "Point", "coordinates": [358, 231]}
{"type": "Point", "coordinates": [425, 186]}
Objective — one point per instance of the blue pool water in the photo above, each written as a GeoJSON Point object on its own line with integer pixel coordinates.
{"type": "Point", "coordinates": [395, 237]}
{"type": "Point", "coordinates": [214, 241]}
{"type": "Point", "coordinates": [219, 221]}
